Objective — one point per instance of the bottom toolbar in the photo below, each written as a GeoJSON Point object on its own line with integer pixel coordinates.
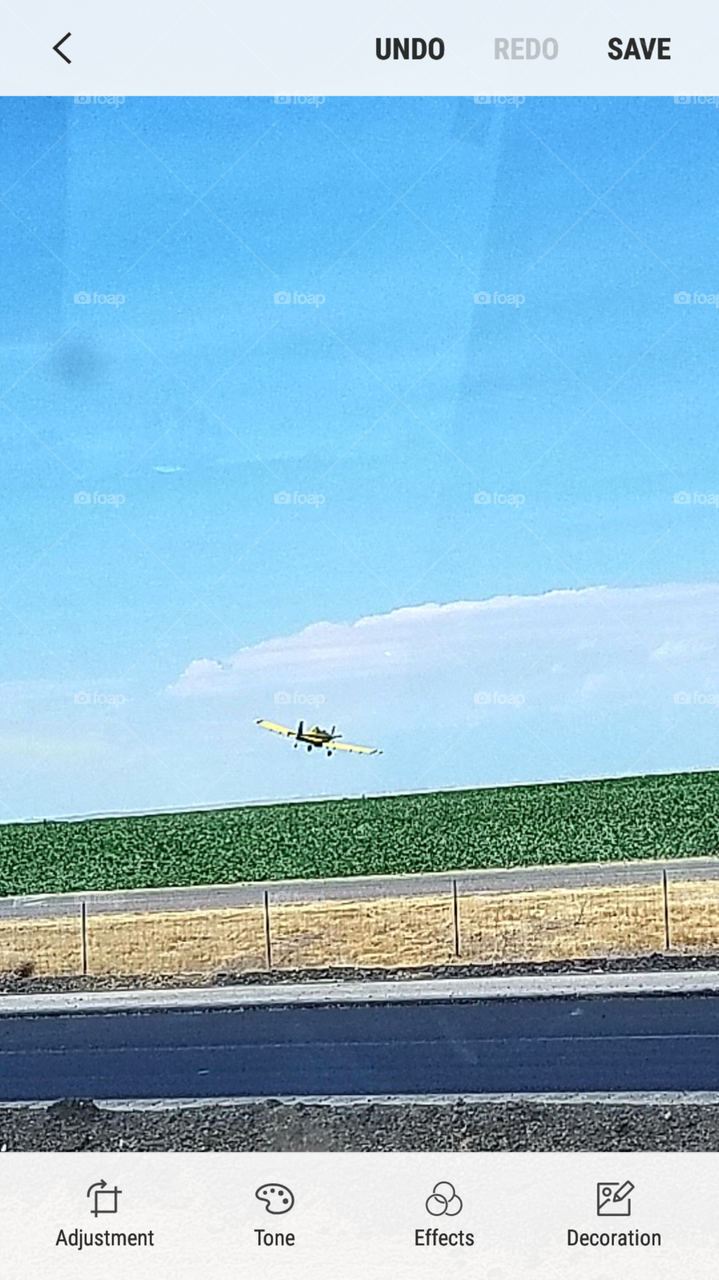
{"type": "Point", "coordinates": [501, 1217]}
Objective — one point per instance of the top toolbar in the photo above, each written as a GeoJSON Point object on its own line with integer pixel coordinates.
{"type": "Point", "coordinates": [316, 49]}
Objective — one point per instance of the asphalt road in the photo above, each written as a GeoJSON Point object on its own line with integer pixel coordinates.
{"type": "Point", "coordinates": [597, 1044]}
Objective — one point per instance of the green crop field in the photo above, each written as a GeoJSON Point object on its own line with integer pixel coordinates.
{"type": "Point", "coordinates": [673, 815]}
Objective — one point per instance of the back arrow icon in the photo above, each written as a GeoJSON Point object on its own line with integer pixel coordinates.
{"type": "Point", "coordinates": [57, 49]}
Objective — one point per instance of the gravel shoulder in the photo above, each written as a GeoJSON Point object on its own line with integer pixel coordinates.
{"type": "Point", "coordinates": [14, 983]}
{"type": "Point", "coordinates": [275, 1126]}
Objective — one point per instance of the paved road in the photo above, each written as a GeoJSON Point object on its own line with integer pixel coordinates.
{"type": "Point", "coordinates": [470, 1047]}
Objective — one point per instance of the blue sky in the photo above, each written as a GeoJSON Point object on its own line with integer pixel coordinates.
{"type": "Point", "coordinates": [579, 411]}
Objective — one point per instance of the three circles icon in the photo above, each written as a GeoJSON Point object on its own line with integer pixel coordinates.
{"type": "Point", "coordinates": [444, 1201]}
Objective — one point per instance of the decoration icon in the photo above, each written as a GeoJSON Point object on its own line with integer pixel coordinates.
{"type": "Point", "coordinates": [613, 1199]}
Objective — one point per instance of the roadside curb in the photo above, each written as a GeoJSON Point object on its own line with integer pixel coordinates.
{"type": "Point", "coordinates": [420, 990]}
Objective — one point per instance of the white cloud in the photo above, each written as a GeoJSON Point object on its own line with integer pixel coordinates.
{"type": "Point", "coordinates": [672, 650]}
{"type": "Point", "coordinates": [612, 645]}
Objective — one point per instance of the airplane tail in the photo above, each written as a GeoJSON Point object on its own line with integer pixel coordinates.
{"type": "Point", "coordinates": [300, 727]}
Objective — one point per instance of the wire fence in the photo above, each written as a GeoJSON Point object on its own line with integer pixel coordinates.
{"type": "Point", "coordinates": [388, 923]}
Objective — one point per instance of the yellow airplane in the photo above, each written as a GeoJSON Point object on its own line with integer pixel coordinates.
{"type": "Point", "coordinates": [316, 737]}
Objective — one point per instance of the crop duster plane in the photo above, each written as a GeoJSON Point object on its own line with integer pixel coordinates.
{"type": "Point", "coordinates": [316, 737]}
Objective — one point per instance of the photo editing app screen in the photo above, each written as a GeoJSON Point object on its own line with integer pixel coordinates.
{"type": "Point", "coordinates": [359, 616]}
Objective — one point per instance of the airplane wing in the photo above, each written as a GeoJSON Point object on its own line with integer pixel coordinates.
{"type": "Point", "coordinates": [348, 746]}
{"type": "Point", "coordinates": [277, 728]}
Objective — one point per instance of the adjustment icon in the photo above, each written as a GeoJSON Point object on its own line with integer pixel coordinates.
{"type": "Point", "coordinates": [104, 1198]}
